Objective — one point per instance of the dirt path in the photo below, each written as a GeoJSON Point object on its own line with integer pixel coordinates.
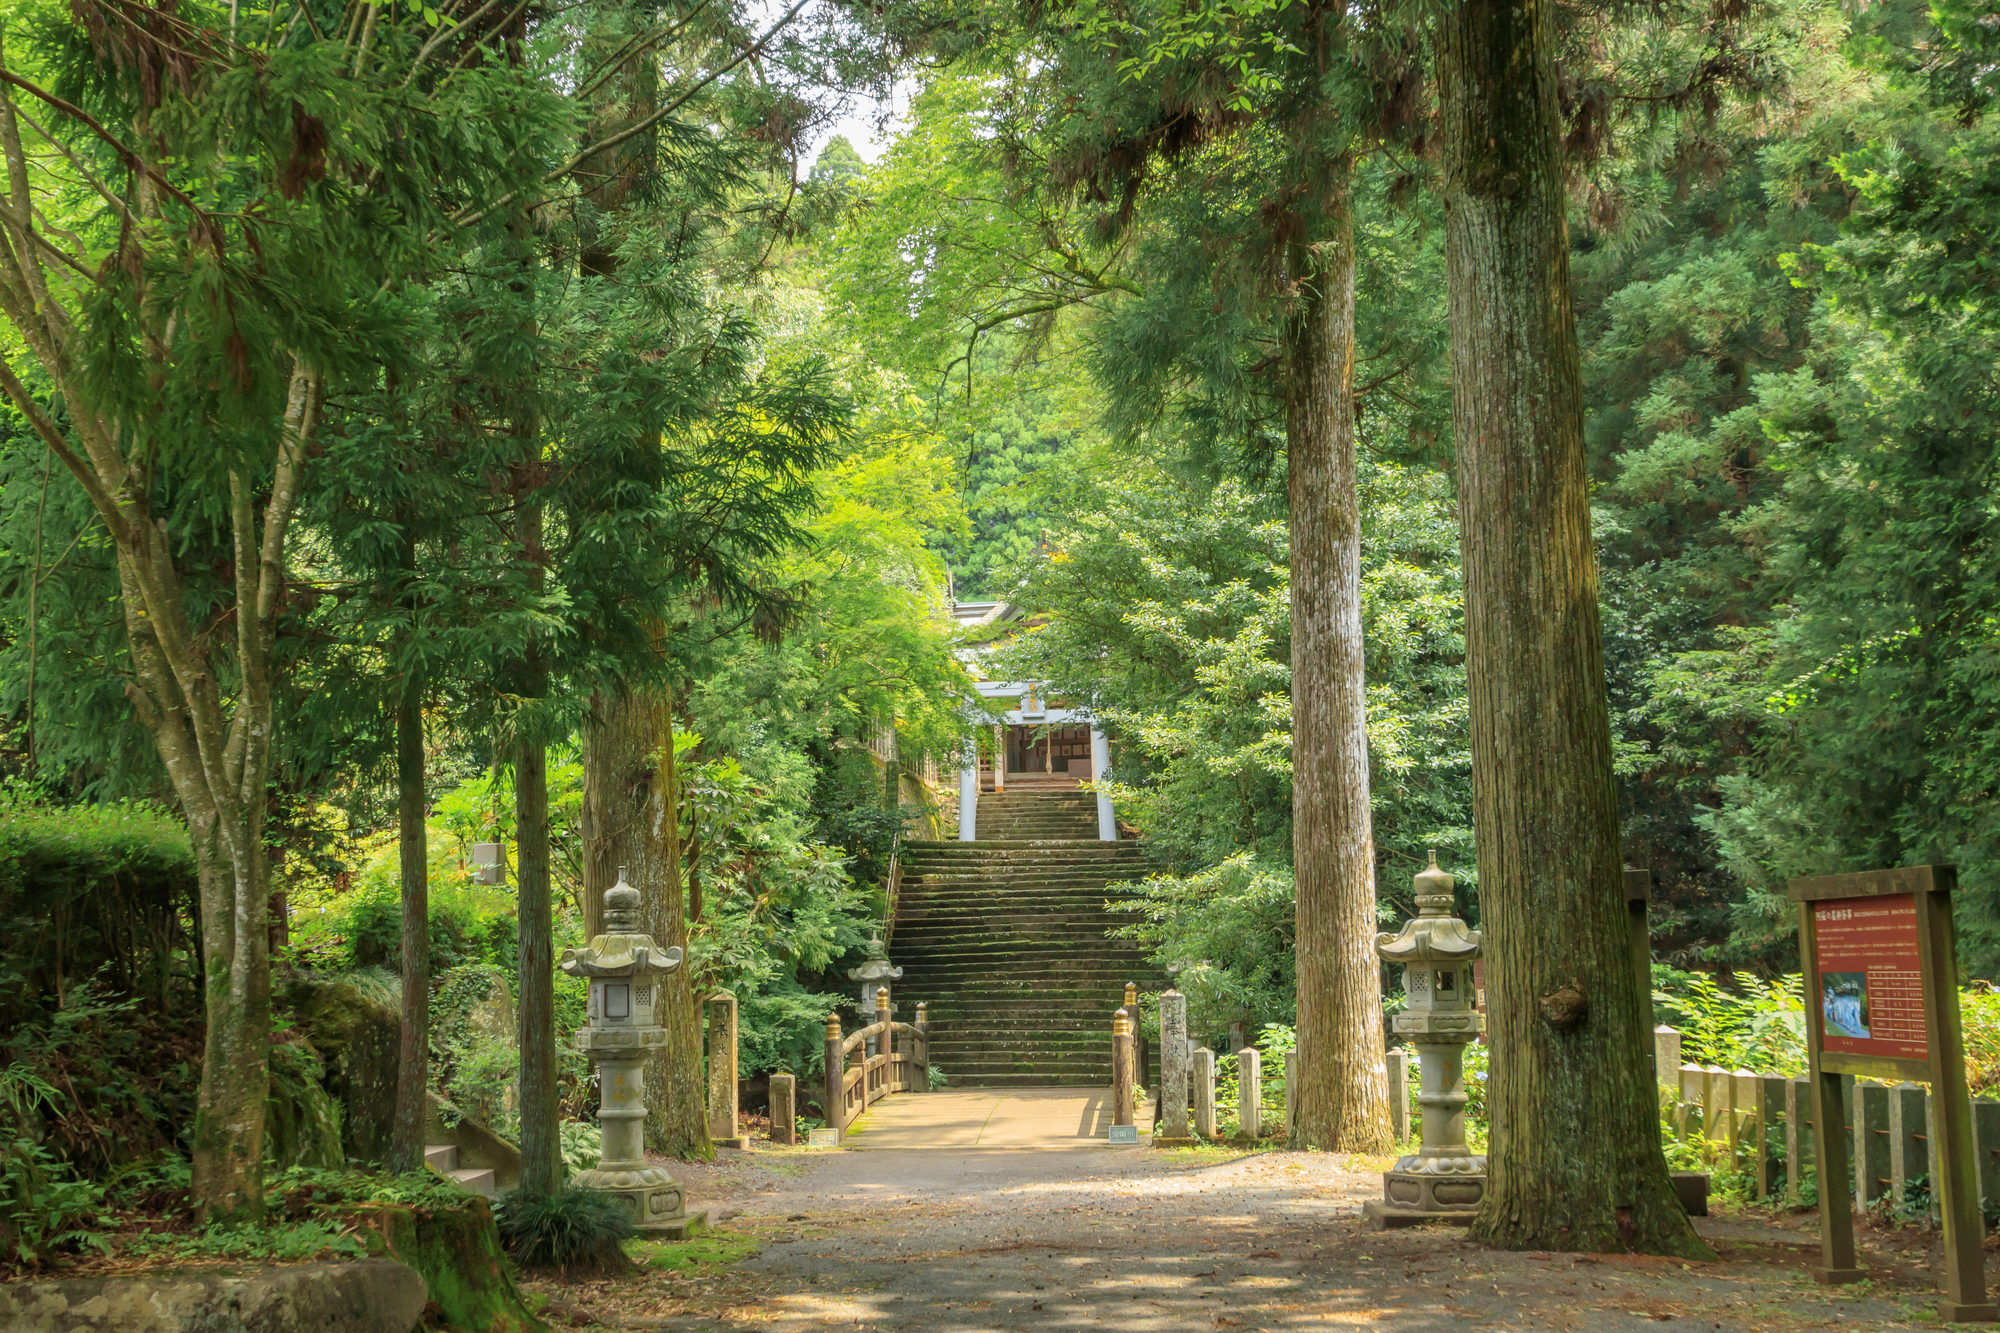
{"type": "Point", "coordinates": [973, 1240]}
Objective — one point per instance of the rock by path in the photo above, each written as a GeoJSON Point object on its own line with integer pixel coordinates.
{"type": "Point", "coordinates": [979, 1240]}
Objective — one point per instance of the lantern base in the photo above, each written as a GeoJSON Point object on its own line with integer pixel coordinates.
{"type": "Point", "coordinates": [659, 1208]}
{"type": "Point", "coordinates": [1388, 1216]}
{"type": "Point", "coordinates": [1412, 1197]}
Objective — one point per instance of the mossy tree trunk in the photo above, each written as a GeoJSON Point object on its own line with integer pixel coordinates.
{"type": "Point", "coordinates": [632, 819]}
{"type": "Point", "coordinates": [413, 1074]}
{"type": "Point", "coordinates": [1343, 1095]}
{"type": "Point", "coordinates": [1574, 1148]}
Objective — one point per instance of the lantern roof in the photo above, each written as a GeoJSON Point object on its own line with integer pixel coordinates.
{"type": "Point", "coordinates": [623, 950]}
{"type": "Point", "coordinates": [875, 966]}
{"type": "Point", "coordinates": [1434, 935]}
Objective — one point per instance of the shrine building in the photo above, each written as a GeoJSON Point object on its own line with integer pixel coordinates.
{"type": "Point", "coordinates": [1042, 745]}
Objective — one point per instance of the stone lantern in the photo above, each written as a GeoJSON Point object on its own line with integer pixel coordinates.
{"type": "Point", "coordinates": [874, 974]}
{"type": "Point", "coordinates": [1443, 1180]}
{"type": "Point", "coordinates": [625, 969]}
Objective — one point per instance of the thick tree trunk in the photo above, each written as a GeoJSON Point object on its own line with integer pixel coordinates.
{"type": "Point", "coordinates": [631, 819]}
{"type": "Point", "coordinates": [413, 1075]}
{"type": "Point", "coordinates": [1574, 1149]}
{"type": "Point", "coordinates": [1343, 1090]}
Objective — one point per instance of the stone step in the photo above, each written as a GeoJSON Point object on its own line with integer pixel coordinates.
{"type": "Point", "coordinates": [443, 1159]}
{"type": "Point", "coordinates": [477, 1179]}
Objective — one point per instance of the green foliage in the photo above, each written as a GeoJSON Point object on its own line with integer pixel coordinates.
{"type": "Point", "coordinates": [1761, 1025]}
{"type": "Point", "coordinates": [126, 1077]}
{"type": "Point", "coordinates": [571, 1232]}
{"type": "Point", "coordinates": [44, 1204]}
{"type": "Point", "coordinates": [582, 1145]}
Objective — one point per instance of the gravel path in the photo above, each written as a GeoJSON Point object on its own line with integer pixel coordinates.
{"type": "Point", "coordinates": [967, 1241]}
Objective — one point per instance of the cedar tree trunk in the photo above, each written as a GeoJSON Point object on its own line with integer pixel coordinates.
{"type": "Point", "coordinates": [1574, 1149]}
{"type": "Point", "coordinates": [1343, 1092]}
{"type": "Point", "coordinates": [541, 1135]}
{"type": "Point", "coordinates": [632, 819]}
{"type": "Point", "coordinates": [413, 1074]}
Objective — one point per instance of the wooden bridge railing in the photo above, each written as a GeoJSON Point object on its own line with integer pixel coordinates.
{"type": "Point", "coordinates": [901, 1063]}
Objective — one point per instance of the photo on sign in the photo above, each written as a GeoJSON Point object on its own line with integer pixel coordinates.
{"type": "Point", "coordinates": [1844, 998]}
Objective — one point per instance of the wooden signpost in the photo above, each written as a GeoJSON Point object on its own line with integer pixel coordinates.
{"type": "Point", "coordinates": [1881, 969]}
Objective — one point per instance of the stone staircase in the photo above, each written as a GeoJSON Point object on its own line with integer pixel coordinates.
{"type": "Point", "coordinates": [443, 1159]}
{"type": "Point", "coordinates": [1005, 939]}
{"type": "Point", "coordinates": [1016, 814]}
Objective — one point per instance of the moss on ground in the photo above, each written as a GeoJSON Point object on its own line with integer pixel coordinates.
{"type": "Point", "coordinates": [712, 1246]}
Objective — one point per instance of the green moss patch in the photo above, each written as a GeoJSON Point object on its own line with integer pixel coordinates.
{"type": "Point", "coordinates": [710, 1247]}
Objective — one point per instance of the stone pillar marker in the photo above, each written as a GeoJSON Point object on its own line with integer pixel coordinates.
{"type": "Point", "coordinates": [1666, 1055]}
{"type": "Point", "coordinates": [1444, 1180]}
{"type": "Point", "coordinates": [1204, 1093]}
{"type": "Point", "coordinates": [723, 1125]}
{"type": "Point", "coordinates": [1173, 1070]}
{"type": "Point", "coordinates": [1249, 1093]}
{"type": "Point", "coordinates": [784, 1109]}
{"type": "Point", "coordinates": [1121, 1079]}
{"type": "Point", "coordinates": [625, 968]}
{"type": "Point", "coordinates": [1398, 1063]}
{"type": "Point", "coordinates": [1135, 1054]}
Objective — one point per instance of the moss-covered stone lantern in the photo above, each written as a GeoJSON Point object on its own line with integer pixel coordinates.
{"type": "Point", "coordinates": [625, 969]}
{"type": "Point", "coordinates": [1444, 1180]}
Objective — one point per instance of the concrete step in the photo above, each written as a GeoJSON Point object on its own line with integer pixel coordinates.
{"type": "Point", "coordinates": [479, 1180]}
{"type": "Point", "coordinates": [443, 1159]}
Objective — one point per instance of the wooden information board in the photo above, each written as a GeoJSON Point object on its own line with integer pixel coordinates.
{"type": "Point", "coordinates": [1881, 968]}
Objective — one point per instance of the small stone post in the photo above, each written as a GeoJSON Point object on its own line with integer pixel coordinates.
{"type": "Point", "coordinates": [1771, 1102]}
{"type": "Point", "coordinates": [1249, 1093]}
{"type": "Point", "coordinates": [1138, 1049]}
{"type": "Point", "coordinates": [1666, 1055]}
{"type": "Point", "coordinates": [1121, 1073]}
{"type": "Point", "coordinates": [836, 1075]}
{"type": "Point", "coordinates": [1746, 1095]}
{"type": "Point", "coordinates": [920, 1047]}
{"type": "Point", "coordinates": [1173, 1069]}
{"type": "Point", "coordinates": [1986, 1142]}
{"type": "Point", "coordinates": [1908, 1138]}
{"type": "Point", "coordinates": [784, 1109]}
{"type": "Point", "coordinates": [1398, 1063]}
{"type": "Point", "coordinates": [1291, 1092]}
{"type": "Point", "coordinates": [1798, 1133]}
{"type": "Point", "coordinates": [1204, 1093]}
{"type": "Point", "coordinates": [1871, 1143]}
{"type": "Point", "coordinates": [724, 1127]}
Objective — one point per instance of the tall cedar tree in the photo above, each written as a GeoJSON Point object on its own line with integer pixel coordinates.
{"type": "Point", "coordinates": [1574, 1153]}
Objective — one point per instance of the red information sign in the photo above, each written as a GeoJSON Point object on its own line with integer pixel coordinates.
{"type": "Point", "coordinates": [1870, 986]}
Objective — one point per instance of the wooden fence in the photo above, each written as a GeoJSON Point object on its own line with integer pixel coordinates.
{"type": "Point", "coordinates": [901, 1063]}
{"type": "Point", "coordinates": [1763, 1124]}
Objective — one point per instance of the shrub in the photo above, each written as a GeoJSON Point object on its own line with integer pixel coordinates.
{"type": "Point", "coordinates": [575, 1231]}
